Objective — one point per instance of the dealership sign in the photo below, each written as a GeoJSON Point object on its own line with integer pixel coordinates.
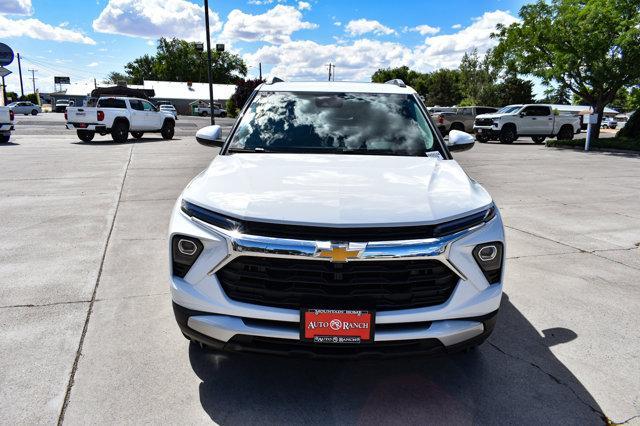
{"type": "Point", "coordinates": [6, 54]}
{"type": "Point", "coordinates": [61, 80]}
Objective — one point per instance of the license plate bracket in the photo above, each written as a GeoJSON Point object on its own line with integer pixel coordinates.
{"type": "Point", "coordinates": [337, 326]}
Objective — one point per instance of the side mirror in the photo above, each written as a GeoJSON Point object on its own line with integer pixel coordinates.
{"type": "Point", "coordinates": [210, 136]}
{"type": "Point", "coordinates": [460, 141]}
{"type": "Point", "coordinates": [522, 114]}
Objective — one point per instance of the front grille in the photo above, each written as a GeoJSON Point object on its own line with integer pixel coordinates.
{"type": "Point", "coordinates": [484, 122]}
{"type": "Point", "coordinates": [379, 285]}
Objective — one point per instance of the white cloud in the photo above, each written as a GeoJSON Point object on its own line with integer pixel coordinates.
{"type": "Point", "coordinates": [357, 60]}
{"type": "Point", "coordinates": [34, 28]}
{"type": "Point", "coordinates": [274, 26]}
{"type": "Point", "coordinates": [303, 5]}
{"type": "Point", "coordinates": [16, 7]}
{"type": "Point", "coordinates": [306, 60]}
{"type": "Point", "coordinates": [362, 26]}
{"type": "Point", "coordinates": [446, 50]}
{"type": "Point", "coordinates": [456, 26]}
{"type": "Point", "coordinates": [155, 18]}
{"type": "Point", "coordinates": [337, 23]}
{"type": "Point", "coordinates": [93, 64]}
{"type": "Point", "coordinates": [425, 29]}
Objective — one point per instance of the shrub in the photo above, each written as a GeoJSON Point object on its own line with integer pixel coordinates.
{"type": "Point", "coordinates": [632, 128]}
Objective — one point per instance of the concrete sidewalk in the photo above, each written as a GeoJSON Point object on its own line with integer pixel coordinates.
{"type": "Point", "coordinates": [88, 333]}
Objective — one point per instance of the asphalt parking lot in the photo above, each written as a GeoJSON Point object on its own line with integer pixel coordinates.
{"type": "Point", "coordinates": [88, 334]}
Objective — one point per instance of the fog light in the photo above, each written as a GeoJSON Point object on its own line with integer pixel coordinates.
{"type": "Point", "coordinates": [488, 253]}
{"type": "Point", "coordinates": [187, 247]}
{"type": "Point", "coordinates": [185, 251]}
{"type": "Point", "coordinates": [489, 258]}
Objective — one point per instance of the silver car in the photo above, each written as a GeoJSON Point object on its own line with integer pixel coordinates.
{"type": "Point", "coordinates": [25, 107]}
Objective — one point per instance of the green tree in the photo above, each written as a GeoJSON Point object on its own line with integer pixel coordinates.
{"type": "Point", "coordinates": [403, 73]}
{"type": "Point", "coordinates": [117, 77]}
{"type": "Point", "coordinates": [244, 88]}
{"type": "Point", "coordinates": [633, 101]}
{"type": "Point", "coordinates": [443, 88]}
{"type": "Point", "coordinates": [514, 90]}
{"type": "Point", "coordinates": [475, 75]}
{"type": "Point", "coordinates": [557, 95]}
{"type": "Point", "coordinates": [179, 60]}
{"type": "Point", "coordinates": [592, 46]}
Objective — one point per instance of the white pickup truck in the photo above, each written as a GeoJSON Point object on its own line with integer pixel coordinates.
{"type": "Point", "coordinates": [205, 111]}
{"type": "Point", "coordinates": [6, 124]}
{"type": "Point", "coordinates": [534, 120]}
{"type": "Point", "coordinates": [120, 116]}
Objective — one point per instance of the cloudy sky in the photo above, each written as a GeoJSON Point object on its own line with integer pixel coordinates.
{"type": "Point", "coordinates": [86, 39]}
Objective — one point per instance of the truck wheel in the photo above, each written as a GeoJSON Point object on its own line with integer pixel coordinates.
{"type": "Point", "coordinates": [508, 135]}
{"type": "Point", "coordinates": [168, 129]}
{"type": "Point", "coordinates": [457, 126]}
{"type": "Point", "coordinates": [34, 112]}
{"type": "Point", "coordinates": [538, 139]}
{"type": "Point", "coordinates": [565, 133]}
{"type": "Point", "coordinates": [85, 135]}
{"type": "Point", "coordinates": [120, 131]}
{"type": "Point", "coordinates": [137, 135]}
{"type": "Point", "coordinates": [5, 138]}
{"type": "Point", "coordinates": [204, 113]}
{"type": "Point", "coordinates": [482, 138]}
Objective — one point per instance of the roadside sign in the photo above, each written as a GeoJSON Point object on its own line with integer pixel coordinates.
{"type": "Point", "coordinates": [199, 46]}
{"type": "Point", "coordinates": [4, 72]}
{"type": "Point", "coordinates": [220, 47]}
{"type": "Point", "coordinates": [61, 80]}
{"type": "Point", "coordinates": [6, 54]}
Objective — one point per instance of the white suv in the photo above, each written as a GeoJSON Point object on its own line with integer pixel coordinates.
{"type": "Point", "coordinates": [334, 222]}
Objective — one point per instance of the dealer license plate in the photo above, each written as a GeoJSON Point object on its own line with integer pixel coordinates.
{"type": "Point", "coordinates": [336, 326]}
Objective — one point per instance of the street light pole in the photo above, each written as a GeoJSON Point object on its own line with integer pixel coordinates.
{"type": "Point", "coordinates": [206, 23]}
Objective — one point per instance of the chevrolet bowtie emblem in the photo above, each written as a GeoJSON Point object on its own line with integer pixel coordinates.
{"type": "Point", "coordinates": [339, 253]}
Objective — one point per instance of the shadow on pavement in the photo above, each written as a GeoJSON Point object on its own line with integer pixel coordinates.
{"type": "Point", "coordinates": [8, 144]}
{"type": "Point", "coordinates": [511, 378]}
{"type": "Point", "coordinates": [129, 141]}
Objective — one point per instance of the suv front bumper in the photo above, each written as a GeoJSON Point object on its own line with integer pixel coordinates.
{"type": "Point", "coordinates": [206, 314]}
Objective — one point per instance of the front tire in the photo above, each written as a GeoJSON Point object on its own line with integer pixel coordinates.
{"type": "Point", "coordinates": [120, 132]}
{"type": "Point", "coordinates": [168, 130]}
{"type": "Point", "coordinates": [508, 135]}
{"type": "Point", "coordinates": [457, 126]}
{"type": "Point", "coordinates": [85, 135]}
{"type": "Point", "coordinates": [538, 139]}
{"type": "Point", "coordinates": [34, 112]}
{"type": "Point", "coordinates": [204, 114]}
{"type": "Point", "coordinates": [482, 138]}
{"type": "Point", "coordinates": [5, 138]}
{"type": "Point", "coordinates": [137, 135]}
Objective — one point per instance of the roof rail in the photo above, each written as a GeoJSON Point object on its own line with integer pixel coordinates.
{"type": "Point", "coordinates": [272, 80]}
{"type": "Point", "coordinates": [397, 82]}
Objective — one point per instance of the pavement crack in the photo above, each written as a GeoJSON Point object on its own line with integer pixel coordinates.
{"type": "Point", "coordinates": [546, 238]}
{"type": "Point", "coordinates": [555, 379]}
{"type": "Point", "coordinates": [41, 305]}
{"type": "Point", "coordinates": [637, 416]}
{"type": "Point", "coordinates": [85, 327]}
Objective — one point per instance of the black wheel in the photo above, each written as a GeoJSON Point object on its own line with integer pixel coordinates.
{"type": "Point", "coordinates": [508, 135]}
{"type": "Point", "coordinates": [5, 138]}
{"type": "Point", "coordinates": [223, 115]}
{"type": "Point", "coordinates": [457, 126]}
{"type": "Point", "coordinates": [137, 135]}
{"type": "Point", "coordinates": [120, 131]}
{"type": "Point", "coordinates": [34, 112]}
{"type": "Point", "coordinates": [168, 129]}
{"type": "Point", "coordinates": [482, 138]}
{"type": "Point", "coordinates": [85, 135]}
{"type": "Point", "coordinates": [204, 113]}
{"type": "Point", "coordinates": [566, 133]}
{"type": "Point", "coordinates": [538, 139]}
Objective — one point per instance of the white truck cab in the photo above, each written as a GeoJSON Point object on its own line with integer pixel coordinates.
{"type": "Point", "coordinates": [120, 116]}
{"type": "Point", "coordinates": [6, 124]}
{"type": "Point", "coordinates": [538, 121]}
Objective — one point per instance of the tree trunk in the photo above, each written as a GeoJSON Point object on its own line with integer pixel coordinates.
{"type": "Point", "coordinates": [595, 130]}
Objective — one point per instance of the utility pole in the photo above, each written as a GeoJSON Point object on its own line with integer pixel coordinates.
{"type": "Point", "coordinates": [206, 23]}
{"type": "Point", "coordinates": [33, 78]}
{"type": "Point", "coordinates": [331, 67]}
{"type": "Point", "coordinates": [260, 68]}
{"type": "Point", "coordinates": [20, 72]}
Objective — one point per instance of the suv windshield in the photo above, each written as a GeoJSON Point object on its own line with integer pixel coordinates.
{"type": "Point", "coordinates": [334, 123]}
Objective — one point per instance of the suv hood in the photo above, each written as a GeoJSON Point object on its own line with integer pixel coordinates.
{"type": "Point", "coordinates": [495, 115]}
{"type": "Point", "coordinates": [336, 190]}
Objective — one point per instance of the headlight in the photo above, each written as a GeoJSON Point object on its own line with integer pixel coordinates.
{"type": "Point", "coordinates": [185, 251]}
{"type": "Point", "coordinates": [489, 258]}
{"type": "Point", "coordinates": [495, 123]}
{"type": "Point", "coordinates": [208, 216]}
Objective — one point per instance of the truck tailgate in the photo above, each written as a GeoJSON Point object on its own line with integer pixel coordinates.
{"type": "Point", "coordinates": [82, 115]}
{"type": "Point", "coordinates": [4, 115]}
